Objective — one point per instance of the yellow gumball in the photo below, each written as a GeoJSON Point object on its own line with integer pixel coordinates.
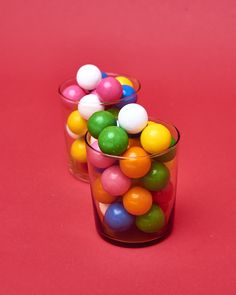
{"type": "Point", "coordinates": [124, 81]}
{"type": "Point", "coordinates": [78, 150]}
{"type": "Point", "coordinates": [155, 138]}
{"type": "Point", "coordinates": [76, 123]}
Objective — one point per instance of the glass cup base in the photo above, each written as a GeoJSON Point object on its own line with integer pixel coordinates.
{"type": "Point", "coordinates": [136, 242]}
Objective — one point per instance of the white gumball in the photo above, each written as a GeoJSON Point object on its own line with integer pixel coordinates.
{"type": "Point", "coordinates": [133, 118]}
{"type": "Point", "coordinates": [88, 76]}
{"type": "Point", "coordinates": [70, 133]}
{"type": "Point", "coordinates": [103, 207]}
{"type": "Point", "coordinates": [88, 105]}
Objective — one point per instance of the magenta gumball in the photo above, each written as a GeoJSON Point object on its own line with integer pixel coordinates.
{"type": "Point", "coordinates": [73, 92]}
{"type": "Point", "coordinates": [109, 89]}
{"type": "Point", "coordinates": [114, 181]}
{"type": "Point", "coordinates": [97, 159]}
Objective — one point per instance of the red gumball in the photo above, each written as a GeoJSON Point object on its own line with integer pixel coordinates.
{"type": "Point", "coordinates": [165, 195]}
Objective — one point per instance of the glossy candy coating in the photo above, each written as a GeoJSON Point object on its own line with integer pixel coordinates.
{"type": "Point", "coordinates": [169, 155]}
{"type": "Point", "coordinates": [113, 140]}
{"type": "Point", "coordinates": [152, 221]}
{"type": "Point", "coordinates": [137, 200]}
{"type": "Point", "coordinates": [88, 76]}
{"type": "Point", "coordinates": [117, 218]}
{"type": "Point", "coordinates": [73, 92]}
{"type": "Point", "coordinates": [109, 89]}
{"type": "Point", "coordinates": [98, 121]}
{"type": "Point", "coordinates": [114, 181]}
{"type": "Point", "coordinates": [128, 96]}
{"type": "Point", "coordinates": [138, 164]}
{"type": "Point", "coordinates": [157, 178]}
{"type": "Point", "coordinates": [70, 133]}
{"type": "Point", "coordinates": [88, 105]}
{"type": "Point", "coordinates": [97, 159]}
{"type": "Point", "coordinates": [78, 150]}
{"type": "Point", "coordinates": [100, 194]}
{"type": "Point", "coordinates": [76, 123]}
{"type": "Point", "coordinates": [155, 138]}
{"type": "Point", "coordinates": [133, 118]}
{"type": "Point", "coordinates": [124, 81]}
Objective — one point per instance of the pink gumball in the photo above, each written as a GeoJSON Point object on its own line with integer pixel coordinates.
{"type": "Point", "coordinates": [97, 159]}
{"type": "Point", "coordinates": [109, 89]}
{"type": "Point", "coordinates": [114, 181]}
{"type": "Point", "coordinates": [73, 92]}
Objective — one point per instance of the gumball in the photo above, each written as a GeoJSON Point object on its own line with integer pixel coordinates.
{"type": "Point", "coordinates": [76, 123]}
{"type": "Point", "coordinates": [100, 194]}
{"type": "Point", "coordinates": [88, 76]}
{"type": "Point", "coordinates": [103, 208]}
{"type": "Point", "coordinates": [169, 155]}
{"type": "Point", "coordinates": [78, 150]}
{"type": "Point", "coordinates": [113, 140]}
{"type": "Point", "coordinates": [165, 195]}
{"type": "Point", "coordinates": [124, 81]}
{"type": "Point", "coordinates": [70, 133]}
{"type": "Point", "coordinates": [152, 221]}
{"type": "Point", "coordinates": [133, 118]}
{"type": "Point", "coordinates": [109, 89]}
{"type": "Point", "coordinates": [88, 105]}
{"type": "Point", "coordinates": [128, 96]}
{"type": "Point", "coordinates": [73, 92]}
{"type": "Point", "coordinates": [97, 159]}
{"type": "Point", "coordinates": [137, 200]}
{"type": "Point", "coordinates": [157, 178]}
{"type": "Point", "coordinates": [136, 164]}
{"type": "Point", "coordinates": [98, 121]}
{"type": "Point", "coordinates": [114, 112]}
{"type": "Point", "coordinates": [155, 138]}
{"type": "Point", "coordinates": [104, 75]}
{"type": "Point", "coordinates": [114, 181]}
{"type": "Point", "coordinates": [133, 142]}
{"type": "Point", "coordinates": [117, 218]}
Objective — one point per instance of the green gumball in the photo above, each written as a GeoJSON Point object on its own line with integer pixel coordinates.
{"type": "Point", "coordinates": [113, 140]}
{"type": "Point", "coordinates": [114, 112]}
{"type": "Point", "coordinates": [168, 156]}
{"type": "Point", "coordinates": [157, 178]}
{"type": "Point", "coordinates": [100, 120]}
{"type": "Point", "coordinates": [152, 221]}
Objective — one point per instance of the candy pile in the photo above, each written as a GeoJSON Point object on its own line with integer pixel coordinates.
{"type": "Point", "coordinates": [132, 188]}
{"type": "Point", "coordinates": [94, 91]}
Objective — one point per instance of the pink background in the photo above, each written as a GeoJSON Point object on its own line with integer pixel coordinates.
{"type": "Point", "coordinates": [184, 54]}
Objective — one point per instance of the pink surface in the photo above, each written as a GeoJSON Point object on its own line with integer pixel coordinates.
{"type": "Point", "coordinates": [184, 54]}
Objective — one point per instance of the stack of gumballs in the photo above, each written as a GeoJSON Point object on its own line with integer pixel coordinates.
{"type": "Point", "coordinates": [93, 91]}
{"type": "Point", "coordinates": [130, 165]}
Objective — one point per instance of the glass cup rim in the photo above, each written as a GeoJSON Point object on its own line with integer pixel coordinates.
{"type": "Point", "coordinates": [159, 121]}
{"type": "Point", "coordinates": [61, 87]}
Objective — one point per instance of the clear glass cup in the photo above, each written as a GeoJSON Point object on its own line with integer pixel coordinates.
{"type": "Point", "coordinates": [112, 221]}
{"type": "Point", "coordinates": [77, 168]}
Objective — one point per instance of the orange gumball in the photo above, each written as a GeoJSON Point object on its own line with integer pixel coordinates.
{"type": "Point", "coordinates": [137, 200]}
{"type": "Point", "coordinates": [134, 142]}
{"type": "Point", "coordinates": [137, 162]}
{"type": "Point", "coordinates": [100, 194]}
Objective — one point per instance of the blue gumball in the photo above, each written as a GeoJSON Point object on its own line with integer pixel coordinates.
{"type": "Point", "coordinates": [104, 75]}
{"type": "Point", "coordinates": [117, 218]}
{"type": "Point", "coordinates": [129, 96]}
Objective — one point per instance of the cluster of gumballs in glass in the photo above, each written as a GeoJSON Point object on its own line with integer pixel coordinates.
{"type": "Point", "coordinates": [131, 187]}
{"type": "Point", "coordinates": [94, 91]}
